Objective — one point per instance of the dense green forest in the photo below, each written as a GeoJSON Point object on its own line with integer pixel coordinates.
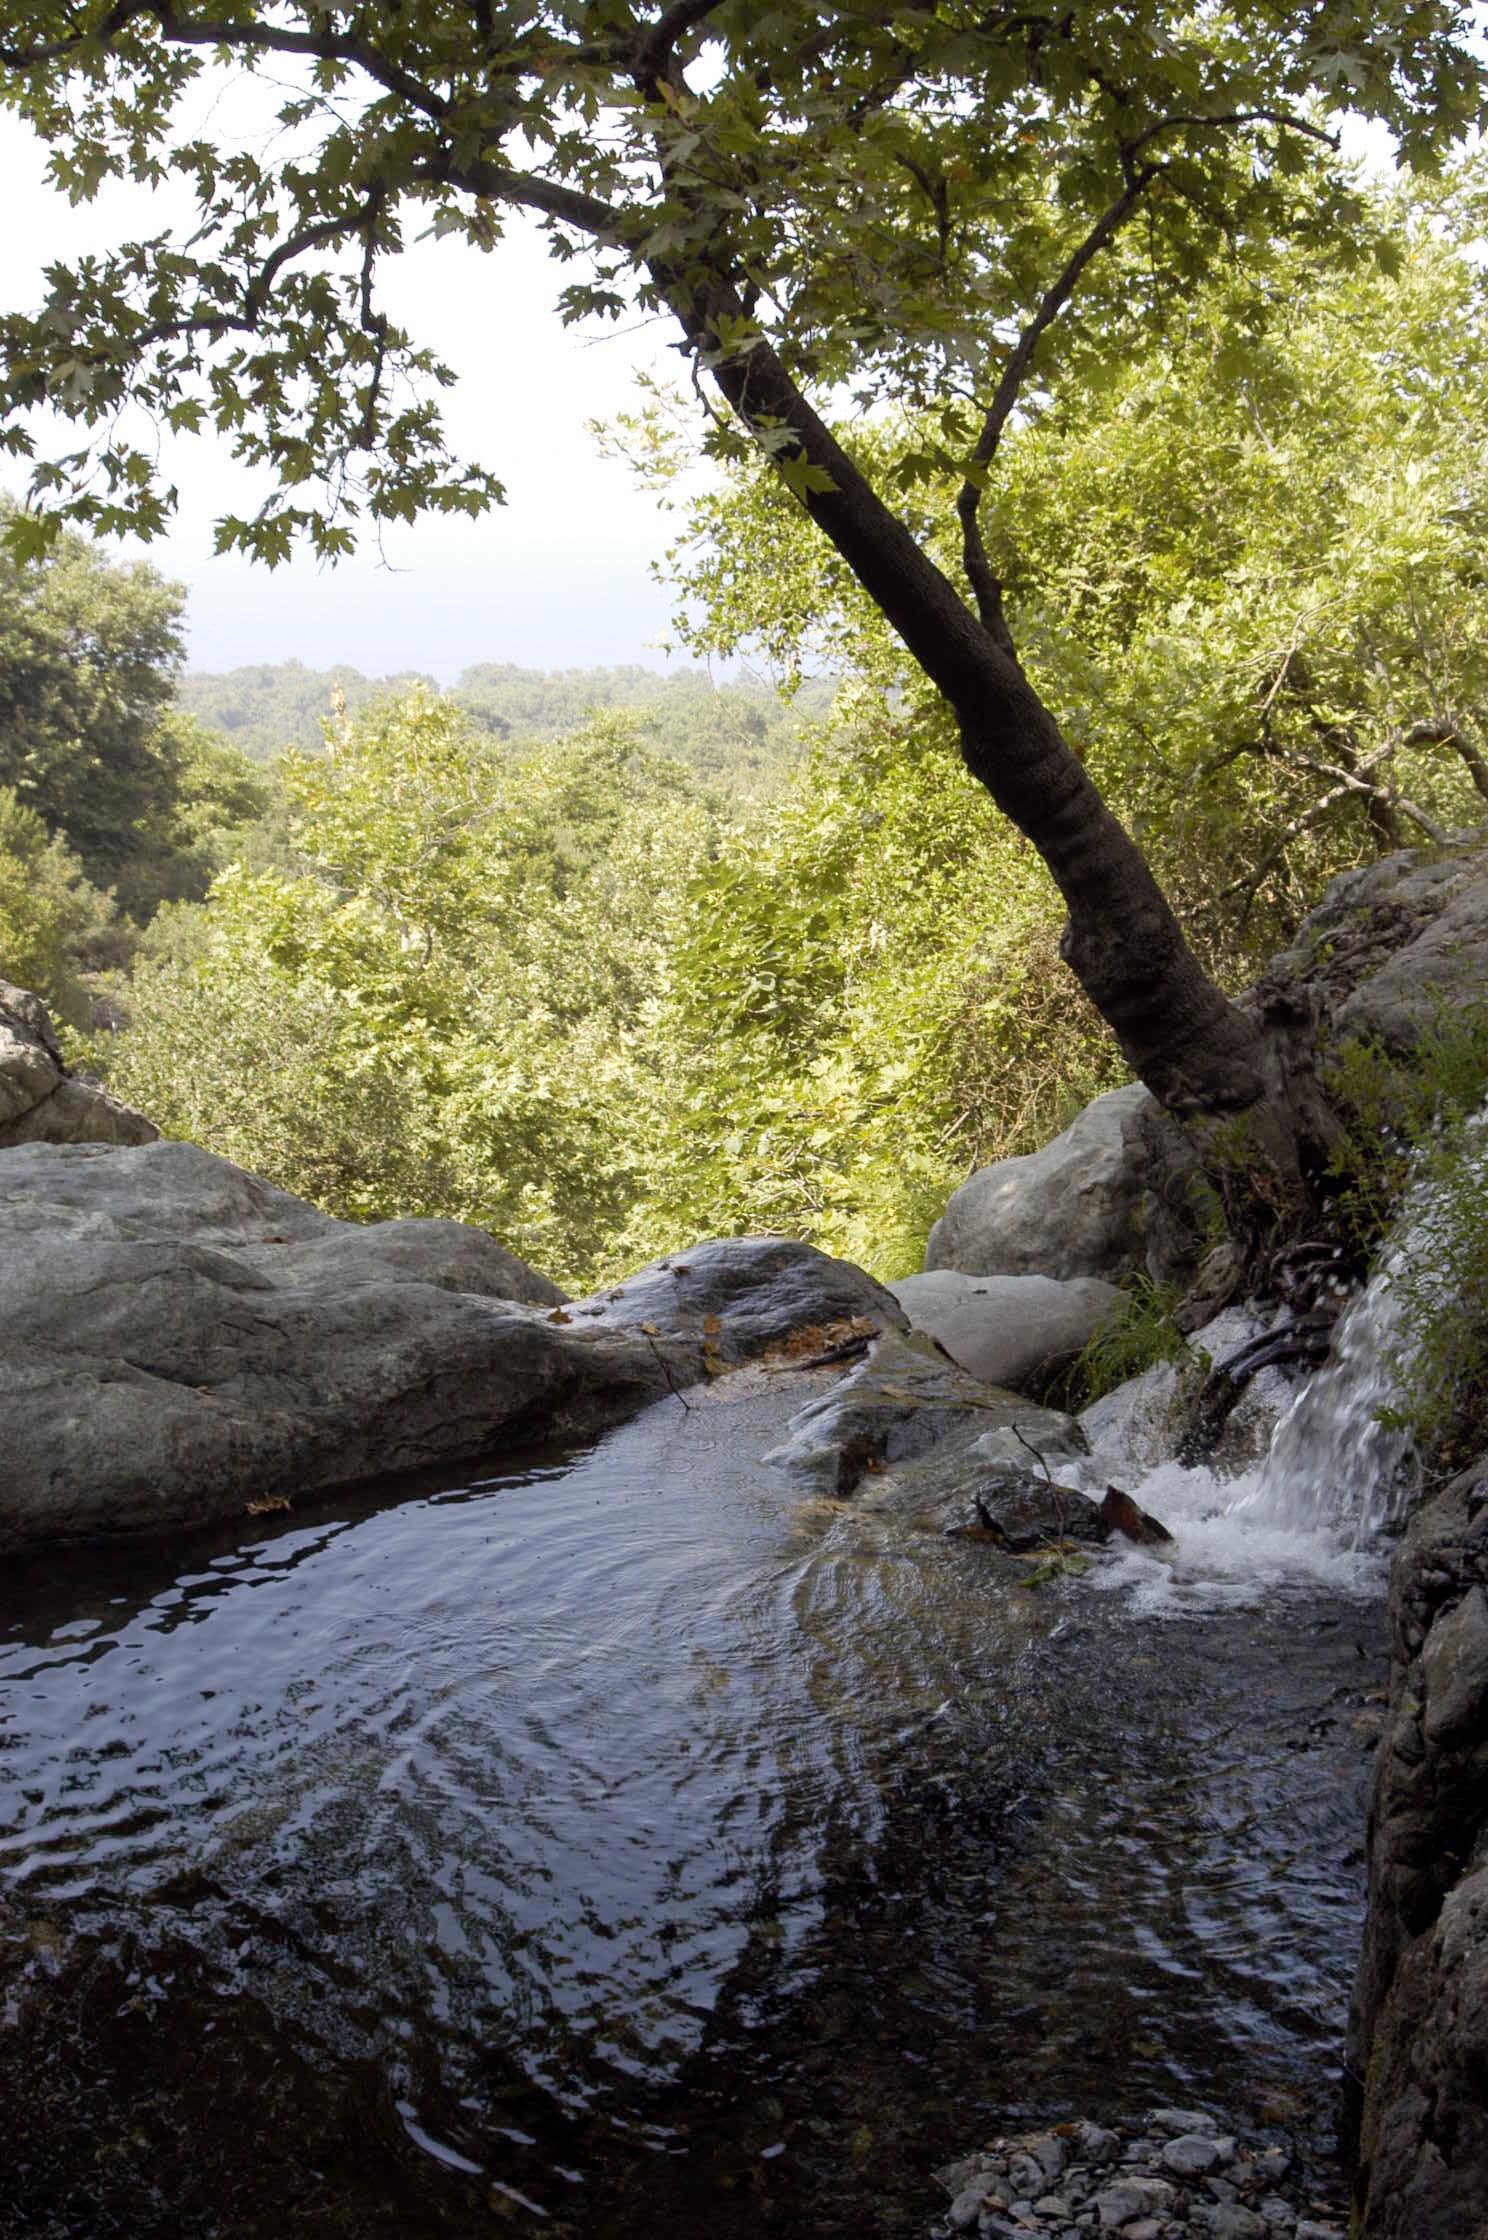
{"type": "Point", "coordinates": [740, 735]}
{"type": "Point", "coordinates": [607, 961]}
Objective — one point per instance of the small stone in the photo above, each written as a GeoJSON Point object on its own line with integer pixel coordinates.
{"type": "Point", "coordinates": [1145, 2228]}
{"type": "Point", "coordinates": [1221, 2189]}
{"type": "Point", "coordinates": [1276, 2211]}
{"type": "Point", "coordinates": [1092, 2144]}
{"type": "Point", "coordinates": [1027, 2176]}
{"type": "Point", "coordinates": [1130, 2198]}
{"type": "Point", "coordinates": [965, 2210]}
{"type": "Point", "coordinates": [1273, 2163]}
{"type": "Point", "coordinates": [1229, 2221]}
{"type": "Point", "coordinates": [1050, 2154]}
{"type": "Point", "coordinates": [1181, 2120]}
{"type": "Point", "coordinates": [1190, 2156]}
{"type": "Point", "coordinates": [1053, 2205]}
{"type": "Point", "coordinates": [1310, 2229]}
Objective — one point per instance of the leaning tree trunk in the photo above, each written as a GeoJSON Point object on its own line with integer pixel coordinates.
{"type": "Point", "coordinates": [1243, 1079]}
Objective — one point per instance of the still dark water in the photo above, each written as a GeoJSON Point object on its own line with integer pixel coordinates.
{"type": "Point", "coordinates": [626, 1846]}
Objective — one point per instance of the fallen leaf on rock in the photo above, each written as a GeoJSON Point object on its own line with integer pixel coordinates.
{"type": "Point", "coordinates": [712, 1324]}
{"type": "Point", "coordinates": [267, 1504]}
{"type": "Point", "coordinates": [558, 1315]}
{"type": "Point", "coordinates": [650, 1329]}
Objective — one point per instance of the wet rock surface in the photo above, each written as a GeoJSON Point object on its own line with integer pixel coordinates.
{"type": "Point", "coordinates": [1178, 2174]}
{"type": "Point", "coordinates": [733, 1299]}
{"type": "Point", "coordinates": [904, 1400]}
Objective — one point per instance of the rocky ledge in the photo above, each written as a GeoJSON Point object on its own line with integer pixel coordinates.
{"type": "Point", "coordinates": [1176, 2176]}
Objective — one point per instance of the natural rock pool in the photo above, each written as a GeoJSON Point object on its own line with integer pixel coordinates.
{"type": "Point", "coordinates": [624, 1845]}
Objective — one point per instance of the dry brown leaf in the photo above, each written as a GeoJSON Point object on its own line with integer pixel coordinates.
{"type": "Point", "coordinates": [268, 1505]}
{"type": "Point", "coordinates": [558, 1315]}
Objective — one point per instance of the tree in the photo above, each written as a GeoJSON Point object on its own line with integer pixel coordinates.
{"type": "Point", "coordinates": [913, 198]}
{"type": "Point", "coordinates": [89, 738]}
{"type": "Point", "coordinates": [414, 1013]}
{"type": "Point", "coordinates": [1248, 569]}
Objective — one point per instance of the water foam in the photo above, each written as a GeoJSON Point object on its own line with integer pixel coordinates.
{"type": "Point", "coordinates": [1310, 1514]}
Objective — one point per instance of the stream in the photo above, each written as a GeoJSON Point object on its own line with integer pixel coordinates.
{"type": "Point", "coordinates": [624, 1844]}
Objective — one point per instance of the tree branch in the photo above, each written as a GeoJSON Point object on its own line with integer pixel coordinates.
{"type": "Point", "coordinates": [257, 38]}
{"type": "Point", "coordinates": [497, 182]}
{"type": "Point", "coordinates": [652, 58]}
{"type": "Point", "coordinates": [980, 574]}
{"type": "Point", "coordinates": [979, 571]}
{"type": "Point", "coordinates": [1442, 732]}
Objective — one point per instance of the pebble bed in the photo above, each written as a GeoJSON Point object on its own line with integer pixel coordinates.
{"type": "Point", "coordinates": [1176, 2176]}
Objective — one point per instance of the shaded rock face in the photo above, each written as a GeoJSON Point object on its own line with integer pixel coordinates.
{"type": "Point", "coordinates": [733, 1299]}
{"type": "Point", "coordinates": [1119, 1190]}
{"type": "Point", "coordinates": [182, 1339]}
{"type": "Point", "coordinates": [1008, 1330]}
{"type": "Point", "coordinates": [1391, 945]}
{"type": "Point", "coordinates": [1418, 2036]}
{"type": "Point", "coordinates": [41, 1099]}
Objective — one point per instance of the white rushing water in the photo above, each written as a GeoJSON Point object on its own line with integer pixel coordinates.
{"type": "Point", "coordinates": [1308, 1478]}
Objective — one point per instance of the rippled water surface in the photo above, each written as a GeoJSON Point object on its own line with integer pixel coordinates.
{"type": "Point", "coordinates": [627, 1846]}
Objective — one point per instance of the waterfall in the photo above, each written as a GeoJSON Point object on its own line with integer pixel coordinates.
{"type": "Point", "coordinates": [1334, 1465]}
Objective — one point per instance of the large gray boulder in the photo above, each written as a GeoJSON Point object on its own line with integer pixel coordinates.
{"type": "Point", "coordinates": [1119, 1190]}
{"type": "Point", "coordinates": [1014, 1331]}
{"type": "Point", "coordinates": [1418, 2038]}
{"type": "Point", "coordinates": [182, 1339]}
{"type": "Point", "coordinates": [41, 1099]}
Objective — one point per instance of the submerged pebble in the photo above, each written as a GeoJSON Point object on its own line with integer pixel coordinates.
{"type": "Point", "coordinates": [1157, 2179]}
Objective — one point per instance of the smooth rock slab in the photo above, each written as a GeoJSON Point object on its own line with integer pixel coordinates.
{"type": "Point", "coordinates": [181, 1339]}
{"type": "Point", "coordinates": [1008, 1330]}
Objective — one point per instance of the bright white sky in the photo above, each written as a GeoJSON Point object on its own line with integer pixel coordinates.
{"type": "Point", "coordinates": [558, 578]}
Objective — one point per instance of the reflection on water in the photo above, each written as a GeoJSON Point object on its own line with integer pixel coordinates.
{"type": "Point", "coordinates": [629, 1847]}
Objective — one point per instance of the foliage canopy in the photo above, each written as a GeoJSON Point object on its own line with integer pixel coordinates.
{"type": "Point", "coordinates": [906, 196]}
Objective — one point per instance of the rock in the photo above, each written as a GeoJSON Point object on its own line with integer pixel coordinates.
{"type": "Point", "coordinates": [1454, 1664]}
{"type": "Point", "coordinates": [739, 1298]}
{"type": "Point", "coordinates": [1119, 1513]}
{"type": "Point", "coordinates": [903, 1400]}
{"type": "Point", "coordinates": [1191, 2155]}
{"type": "Point", "coordinates": [965, 2210]}
{"type": "Point", "coordinates": [1391, 945]}
{"type": "Point", "coordinates": [1228, 2220]}
{"type": "Point", "coordinates": [41, 1099]}
{"type": "Point", "coordinates": [182, 1339]}
{"type": "Point", "coordinates": [1130, 2198]}
{"type": "Point", "coordinates": [1418, 2033]}
{"type": "Point", "coordinates": [1013, 1331]}
{"type": "Point", "coordinates": [1022, 1511]}
{"type": "Point", "coordinates": [1119, 1190]}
